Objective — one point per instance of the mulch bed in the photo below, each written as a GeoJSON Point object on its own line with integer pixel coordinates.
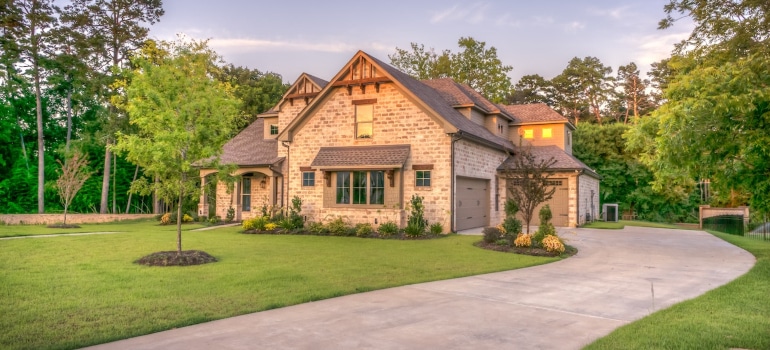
{"type": "Point", "coordinates": [63, 226]}
{"type": "Point", "coordinates": [173, 258]}
{"type": "Point", "coordinates": [568, 251]}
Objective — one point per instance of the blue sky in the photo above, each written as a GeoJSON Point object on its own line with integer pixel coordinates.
{"type": "Point", "coordinates": [319, 37]}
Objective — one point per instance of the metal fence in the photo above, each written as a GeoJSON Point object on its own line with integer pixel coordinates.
{"type": "Point", "coordinates": [735, 225]}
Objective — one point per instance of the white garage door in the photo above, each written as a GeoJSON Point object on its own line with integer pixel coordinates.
{"type": "Point", "coordinates": [471, 203]}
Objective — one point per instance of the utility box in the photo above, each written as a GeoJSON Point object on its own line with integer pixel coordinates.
{"type": "Point", "coordinates": [610, 212]}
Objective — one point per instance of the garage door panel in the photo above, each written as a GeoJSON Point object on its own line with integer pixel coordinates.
{"type": "Point", "coordinates": [471, 200]}
{"type": "Point", "coordinates": [559, 205]}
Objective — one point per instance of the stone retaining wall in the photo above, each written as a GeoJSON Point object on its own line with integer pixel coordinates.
{"type": "Point", "coordinates": [47, 219]}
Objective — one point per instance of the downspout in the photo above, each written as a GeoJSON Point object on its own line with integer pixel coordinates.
{"type": "Point", "coordinates": [455, 137]}
{"type": "Point", "coordinates": [577, 196]}
{"type": "Point", "coordinates": [288, 171]}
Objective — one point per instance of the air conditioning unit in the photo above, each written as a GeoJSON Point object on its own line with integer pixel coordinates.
{"type": "Point", "coordinates": [610, 212]}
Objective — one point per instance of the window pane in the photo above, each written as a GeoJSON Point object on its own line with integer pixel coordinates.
{"type": "Point", "coordinates": [343, 188]}
{"type": "Point", "coordinates": [359, 187]}
{"type": "Point", "coordinates": [528, 134]}
{"type": "Point", "coordinates": [364, 121]}
{"type": "Point", "coordinates": [273, 129]}
{"type": "Point", "coordinates": [422, 178]}
{"type": "Point", "coordinates": [377, 187]}
{"type": "Point", "coordinates": [547, 133]}
{"type": "Point", "coordinates": [308, 178]}
{"type": "Point", "coordinates": [246, 194]}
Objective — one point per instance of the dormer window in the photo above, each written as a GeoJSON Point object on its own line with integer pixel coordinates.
{"type": "Point", "coordinates": [529, 134]}
{"type": "Point", "coordinates": [273, 129]}
{"type": "Point", "coordinates": [547, 133]}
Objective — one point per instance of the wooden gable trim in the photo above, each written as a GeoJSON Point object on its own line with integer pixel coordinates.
{"type": "Point", "coordinates": [305, 168]}
{"type": "Point", "coordinates": [367, 101]}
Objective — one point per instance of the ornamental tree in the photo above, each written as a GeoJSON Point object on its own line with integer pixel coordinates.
{"type": "Point", "coordinates": [183, 117]}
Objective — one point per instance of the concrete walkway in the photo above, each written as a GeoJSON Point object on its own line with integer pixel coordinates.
{"type": "Point", "coordinates": [617, 277]}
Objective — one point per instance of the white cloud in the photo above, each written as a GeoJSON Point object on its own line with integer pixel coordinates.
{"type": "Point", "coordinates": [653, 48]}
{"type": "Point", "coordinates": [474, 13]}
{"type": "Point", "coordinates": [540, 20]}
{"type": "Point", "coordinates": [574, 26]}
{"type": "Point", "coordinates": [506, 21]}
{"type": "Point", "coordinates": [617, 13]}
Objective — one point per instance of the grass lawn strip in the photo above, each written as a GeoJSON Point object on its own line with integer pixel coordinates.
{"type": "Point", "coordinates": [122, 226]}
{"type": "Point", "coordinates": [77, 291]}
{"type": "Point", "coordinates": [736, 315]}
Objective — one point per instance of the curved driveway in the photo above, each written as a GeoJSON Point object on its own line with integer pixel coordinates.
{"type": "Point", "coordinates": [618, 276]}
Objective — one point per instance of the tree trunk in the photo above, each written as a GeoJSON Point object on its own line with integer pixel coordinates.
{"type": "Point", "coordinates": [106, 179]}
{"type": "Point", "coordinates": [65, 213]}
{"type": "Point", "coordinates": [40, 146]}
{"type": "Point", "coordinates": [128, 204]}
{"type": "Point", "coordinates": [179, 225]}
{"type": "Point", "coordinates": [114, 182]}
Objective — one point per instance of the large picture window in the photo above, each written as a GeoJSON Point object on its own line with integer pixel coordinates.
{"type": "Point", "coordinates": [246, 194]}
{"type": "Point", "coordinates": [364, 119]}
{"type": "Point", "coordinates": [365, 187]}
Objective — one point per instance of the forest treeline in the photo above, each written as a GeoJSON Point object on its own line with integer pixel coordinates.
{"type": "Point", "coordinates": [699, 116]}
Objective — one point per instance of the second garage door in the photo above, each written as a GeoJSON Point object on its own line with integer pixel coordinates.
{"type": "Point", "coordinates": [559, 205]}
{"type": "Point", "coordinates": [471, 203]}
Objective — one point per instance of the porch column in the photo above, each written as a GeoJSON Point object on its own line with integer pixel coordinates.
{"type": "Point", "coordinates": [203, 205]}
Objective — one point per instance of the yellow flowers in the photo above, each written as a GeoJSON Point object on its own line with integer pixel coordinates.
{"type": "Point", "coordinates": [552, 244]}
{"type": "Point", "coordinates": [523, 240]}
{"type": "Point", "coordinates": [165, 219]}
{"type": "Point", "coordinates": [270, 226]}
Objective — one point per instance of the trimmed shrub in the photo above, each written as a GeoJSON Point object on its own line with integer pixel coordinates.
{"type": "Point", "coordinates": [553, 244]}
{"type": "Point", "coordinates": [523, 240]}
{"type": "Point", "coordinates": [415, 225]}
{"type": "Point", "coordinates": [258, 223]}
{"type": "Point", "coordinates": [491, 234]}
{"type": "Point", "coordinates": [230, 214]}
{"type": "Point", "coordinates": [388, 229]}
{"type": "Point", "coordinates": [436, 229]}
{"type": "Point", "coordinates": [364, 229]}
{"type": "Point", "coordinates": [317, 228]}
{"type": "Point", "coordinates": [338, 227]}
{"type": "Point", "coordinates": [187, 218]}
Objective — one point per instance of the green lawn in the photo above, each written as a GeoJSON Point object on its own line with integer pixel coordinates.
{"type": "Point", "coordinates": [122, 226]}
{"type": "Point", "coordinates": [736, 315]}
{"type": "Point", "coordinates": [75, 291]}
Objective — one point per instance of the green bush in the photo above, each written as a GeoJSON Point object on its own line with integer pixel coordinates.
{"type": "Point", "coordinates": [297, 222]}
{"type": "Point", "coordinates": [545, 228]}
{"type": "Point", "coordinates": [230, 214]}
{"type": "Point", "coordinates": [436, 229]}
{"type": "Point", "coordinates": [187, 218]}
{"type": "Point", "coordinates": [317, 228]}
{"type": "Point", "coordinates": [415, 224]}
{"type": "Point", "coordinates": [388, 229]}
{"type": "Point", "coordinates": [364, 229]}
{"type": "Point", "coordinates": [339, 227]}
{"type": "Point", "coordinates": [491, 234]}
{"type": "Point", "coordinates": [215, 220]}
{"type": "Point", "coordinates": [258, 223]}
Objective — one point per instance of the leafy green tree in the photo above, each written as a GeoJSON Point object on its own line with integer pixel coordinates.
{"type": "Point", "coordinates": [257, 91]}
{"type": "Point", "coordinates": [475, 65]}
{"type": "Point", "coordinates": [584, 84]}
{"type": "Point", "coordinates": [531, 88]}
{"type": "Point", "coordinates": [660, 75]}
{"type": "Point", "coordinates": [111, 29]}
{"type": "Point", "coordinates": [183, 118]}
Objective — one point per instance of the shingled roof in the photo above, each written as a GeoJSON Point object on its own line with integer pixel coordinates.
{"type": "Point", "coordinates": [388, 156]}
{"type": "Point", "coordinates": [461, 94]}
{"type": "Point", "coordinates": [534, 113]}
{"type": "Point", "coordinates": [564, 160]}
{"type": "Point", "coordinates": [250, 148]}
{"type": "Point", "coordinates": [436, 101]}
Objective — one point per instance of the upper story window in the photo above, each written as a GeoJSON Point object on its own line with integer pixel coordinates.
{"type": "Point", "coordinates": [273, 129]}
{"type": "Point", "coordinates": [422, 178]}
{"type": "Point", "coordinates": [500, 128]}
{"type": "Point", "coordinates": [547, 133]}
{"type": "Point", "coordinates": [364, 119]}
{"type": "Point", "coordinates": [529, 134]}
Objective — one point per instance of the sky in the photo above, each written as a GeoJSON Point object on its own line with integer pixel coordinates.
{"type": "Point", "coordinates": [319, 37]}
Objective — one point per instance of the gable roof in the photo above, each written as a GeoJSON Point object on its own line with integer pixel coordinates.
{"type": "Point", "coordinates": [534, 113]}
{"type": "Point", "coordinates": [294, 91]}
{"type": "Point", "coordinates": [564, 160]}
{"type": "Point", "coordinates": [250, 148]}
{"type": "Point", "coordinates": [422, 94]}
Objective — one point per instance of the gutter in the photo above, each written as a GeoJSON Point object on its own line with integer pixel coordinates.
{"type": "Point", "coordinates": [459, 135]}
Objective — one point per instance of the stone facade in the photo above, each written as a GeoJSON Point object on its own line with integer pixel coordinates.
{"type": "Point", "coordinates": [476, 161]}
{"type": "Point", "coordinates": [589, 199]}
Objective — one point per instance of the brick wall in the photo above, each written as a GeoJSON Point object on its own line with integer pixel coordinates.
{"type": "Point", "coordinates": [587, 185]}
{"type": "Point", "coordinates": [481, 162]}
{"type": "Point", "coordinates": [396, 120]}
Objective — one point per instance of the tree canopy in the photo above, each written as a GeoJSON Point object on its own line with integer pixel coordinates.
{"type": "Point", "coordinates": [183, 118]}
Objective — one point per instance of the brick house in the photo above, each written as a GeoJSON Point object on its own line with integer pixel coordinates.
{"type": "Point", "coordinates": [360, 145]}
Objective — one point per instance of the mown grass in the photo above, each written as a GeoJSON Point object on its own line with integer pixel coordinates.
{"type": "Point", "coordinates": [736, 315]}
{"type": "Point", "coordinates": [75, 291]}
{"type": "Point", "coordinates": [122, 226]}
{"type": "Point", "coordinates": [623, 223]}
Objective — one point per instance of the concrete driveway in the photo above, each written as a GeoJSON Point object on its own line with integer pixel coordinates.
{"type": "Point", "coordinates": [617, 277]}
